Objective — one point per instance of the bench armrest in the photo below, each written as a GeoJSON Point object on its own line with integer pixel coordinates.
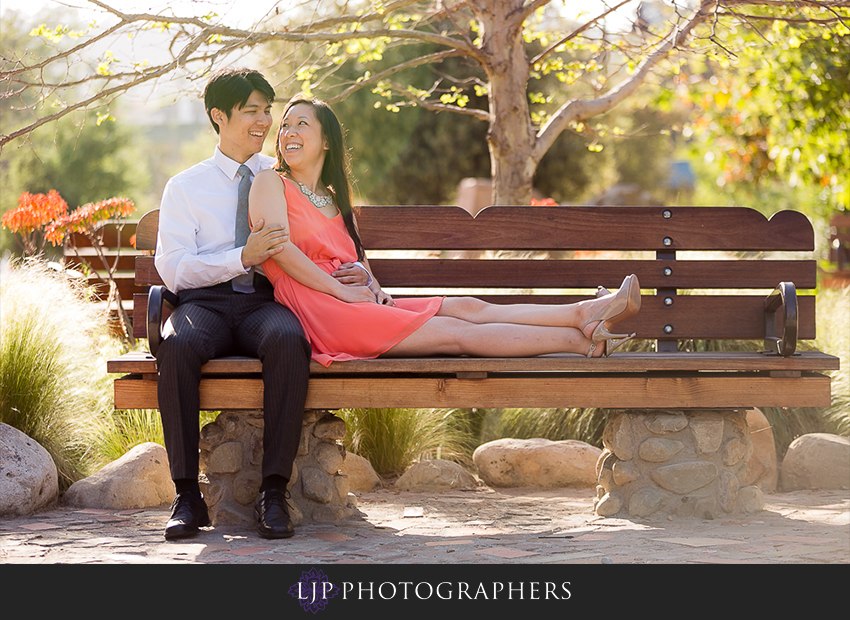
{"type": "Point", "coordinates": [784, 341]}
{"type": "Point", "coordinates": [158, 297]}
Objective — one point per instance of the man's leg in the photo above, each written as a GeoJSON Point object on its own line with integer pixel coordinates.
{"type": "Point", "coordinates": [273, 334]}
{"type": "Point", "coordinates": [196, 331]}
{"type": "Point", "coordinates": [194, 334]}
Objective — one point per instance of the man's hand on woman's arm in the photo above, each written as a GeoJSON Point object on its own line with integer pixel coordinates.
{"type": "Point", "coordinates": [352, 274]}
{"type": "Point", "coordinates": [263, 242]}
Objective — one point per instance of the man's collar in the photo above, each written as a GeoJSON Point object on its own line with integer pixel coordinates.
{"type": "Point", "coordinates": [230, 167]}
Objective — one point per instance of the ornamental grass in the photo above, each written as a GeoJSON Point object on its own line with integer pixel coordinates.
{"type": "Point", "coordinates": [52, 365]}
{"type": "Point", "coordinates": [394, 439]}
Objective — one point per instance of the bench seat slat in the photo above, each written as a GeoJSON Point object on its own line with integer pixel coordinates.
{"type": "Point", "coordinates": [605, 391]}
{"type": "Point", "coordinates": [743, 361]}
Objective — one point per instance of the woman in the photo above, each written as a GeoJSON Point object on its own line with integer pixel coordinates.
{"type": "Point", "coordinates": [309, 193]}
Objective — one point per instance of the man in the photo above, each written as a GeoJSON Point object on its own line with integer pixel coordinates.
{"type": "Point", "coordinates": [226, 305]}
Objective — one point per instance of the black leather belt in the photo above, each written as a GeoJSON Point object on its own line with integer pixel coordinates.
{"type": "Point", "coordinates": [260, 282]}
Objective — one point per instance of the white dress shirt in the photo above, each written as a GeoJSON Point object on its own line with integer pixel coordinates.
{"type": "Point", "coordinates": [195, 245]}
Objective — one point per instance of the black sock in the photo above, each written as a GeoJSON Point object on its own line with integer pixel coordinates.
{"type": "Point", "coordinates": [187, 485]}
{"type": "Point", "coordinates": [274, 482]}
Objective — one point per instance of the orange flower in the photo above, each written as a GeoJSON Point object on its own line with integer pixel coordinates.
{"type": "Point", "coordinates": [34, 211]}
{"type": "Point", "coordinates": [84, 219]}
{"type": "Point", "coordinates": [545, 202]}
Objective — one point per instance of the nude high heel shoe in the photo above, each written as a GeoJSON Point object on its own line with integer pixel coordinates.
{"type": "Point", "coordinates": [625, 303]}
{"type": "Point", "coordinates": [611, 345]}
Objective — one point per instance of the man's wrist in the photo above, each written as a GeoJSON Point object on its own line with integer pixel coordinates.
{"type": "Point", "coordinates": [368, 275]}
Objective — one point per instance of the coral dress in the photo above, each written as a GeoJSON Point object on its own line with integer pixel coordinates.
{"type": "Point", "coordinates": [338, 330]}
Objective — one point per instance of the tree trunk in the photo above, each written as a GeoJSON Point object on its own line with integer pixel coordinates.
{"type": "Point", "coordinates": [511, 136]}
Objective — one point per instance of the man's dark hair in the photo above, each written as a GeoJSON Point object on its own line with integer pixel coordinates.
{"type": "Point", "coordinates": [229, 89]}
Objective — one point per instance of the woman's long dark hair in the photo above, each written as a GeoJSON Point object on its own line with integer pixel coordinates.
{"type": "Point", "coordinates": [336, 171]}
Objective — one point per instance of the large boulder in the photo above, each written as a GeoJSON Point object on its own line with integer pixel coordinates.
{"type": "Point", "coordinates": [362, 477]}
{"type": "Point", "coordinates": [436, 474]}
{"type": "Point", "coordinates": [139, 479]}
{"type": "Point", "coordinates": [816, 461]}
{"type": "Point", "coordinates": [537, 462]}
{"type": "Point", "coordinates": [762, 464]}
{"type": "Point", "coordinates": [29, 480]}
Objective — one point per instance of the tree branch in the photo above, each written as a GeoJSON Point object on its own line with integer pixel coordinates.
{"type": "Point", "coordinates": [575, 33]}
{"type": "Point", "coordinates": [40, 65]}
{"type": "Point", "coordinates": [577, 110]}
{"type": "Point", "coordinates": [440, 107]}
{"type": "Point", "coordinates": [107, 93]}
{"type": "Point", "coordinates": [529, 9]}
{"type": "Point", "coordinates": [410, 64]}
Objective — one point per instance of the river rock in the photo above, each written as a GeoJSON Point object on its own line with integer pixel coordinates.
{"type": "Point", "coordinates": [29, 481]}
{"type": "Point", "coordinates": [139, 479]}
{"type": "Point", "coordinates": [537, 462]}
{"type": "Point", "coordinates": [436, 474]}
{"type": "Point", "coordinates": [762, 464]}
{"type": "Point", "coordinates": [361, 475]}
{"type": "Point", "coordinates": [816, 461]}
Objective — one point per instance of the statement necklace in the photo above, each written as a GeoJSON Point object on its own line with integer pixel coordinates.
{"type": "Point", "coordinates": [318, 201]}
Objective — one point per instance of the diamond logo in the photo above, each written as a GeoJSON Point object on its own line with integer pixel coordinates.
{"type": "Point", "coordinates": [313, 590]}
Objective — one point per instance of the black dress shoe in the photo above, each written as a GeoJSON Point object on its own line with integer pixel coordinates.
{"type": "Point", "coordinates": [272, 515]}
{"type": "Point", "coordinates": [188, 514]}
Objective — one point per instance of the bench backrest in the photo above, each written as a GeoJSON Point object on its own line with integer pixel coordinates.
{"type": "Point", "coordinates": [116, 240]}
{"type": "Point", "coordinates": [696, 282]}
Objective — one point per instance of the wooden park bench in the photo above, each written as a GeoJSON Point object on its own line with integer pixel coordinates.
{"type": "Point", "coordinates": [118, 256]}
{"type": "Point", "coordinates": [113, 255]}
{"type": "Point", "coordinates": [676, 440]}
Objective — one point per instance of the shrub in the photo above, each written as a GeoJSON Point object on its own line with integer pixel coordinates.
{"type": "Point", "coordinates": [52, 369]}
{"type": "Point", "coordinates": [393, 439]}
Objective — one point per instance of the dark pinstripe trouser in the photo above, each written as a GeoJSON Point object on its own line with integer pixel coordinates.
{"type": "Point", "coordinates": [214, 322]}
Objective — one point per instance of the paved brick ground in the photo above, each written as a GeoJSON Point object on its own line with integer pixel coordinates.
{"type": "Point", "coordinates": [482, 526]}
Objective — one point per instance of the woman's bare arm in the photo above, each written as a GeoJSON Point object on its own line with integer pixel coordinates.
{"type": "Point", "coordinates": [267, 202]}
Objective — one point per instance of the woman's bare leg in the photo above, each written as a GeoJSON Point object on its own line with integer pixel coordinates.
{"type": "Point", "coordinates": [547, 315]}
{"type": "Point", "coordinates": [446, 335]}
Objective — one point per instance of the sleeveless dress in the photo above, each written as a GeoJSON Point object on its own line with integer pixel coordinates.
{"type": "Point", "coordinates": [338, 330]}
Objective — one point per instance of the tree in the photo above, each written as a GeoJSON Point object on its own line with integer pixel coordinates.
{"type": "Point", "coordinates": [779, 111]}
{"type": "Point", "coordinates": [84, 156]}
{"type": "Point", "coordinates": [598, 70]}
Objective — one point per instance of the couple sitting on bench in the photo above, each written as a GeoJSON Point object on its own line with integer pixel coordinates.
{"type": "Point", "coordinates": [297, 284]}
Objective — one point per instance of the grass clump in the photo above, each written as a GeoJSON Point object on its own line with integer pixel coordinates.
{"type": "Point", "coordinates": [52, 372]}
{"type": "Point", "coordinates": [394, 439]}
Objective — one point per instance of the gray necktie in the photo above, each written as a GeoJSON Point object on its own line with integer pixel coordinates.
{"type": "Point", "coordinates": [243, 283]}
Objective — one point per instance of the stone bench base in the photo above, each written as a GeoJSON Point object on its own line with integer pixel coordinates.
{"type": "Point", "coordinates": [685, 463]}
{"type": "Point", "coordinates": [231, 452]}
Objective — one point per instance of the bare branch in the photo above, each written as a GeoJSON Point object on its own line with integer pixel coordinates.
{"type": "Point", "coordinates": [575, 33]}
{"type": "Point", "coordinates": [383, 75]}
{"type": "Point", "coordinates": [530, 8]}
{"type": "Point", "coordinates": [779, 18]}
{"type": "Point", "coordinates": [333, 22]}
{"type": "Point", "coordinates": [40, 65]}
{"type": "Point", "coordinates": [577, 110]}
{"type": "Point", "coordinates": [433, 106]}
{"type": "Point", "coordinates": [107, 93]}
